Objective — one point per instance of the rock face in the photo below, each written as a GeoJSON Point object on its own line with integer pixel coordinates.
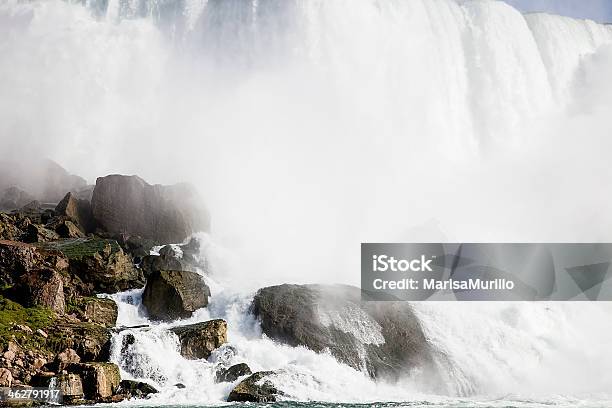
{"type": "Point", "coordinates": [200, 339]}
{"type": "Point", "coordinates": [129, 205]}
{"type": "Point", "coordinates": [90, 341]}
{"type": "Point", "coordinates": [254, 389]}
{"type": "Point", "coordinates": [100, 380]}
{"type": "Point", "coordinates": [43, 287]}
{"type": "Point", "coordinates": [71, 387]}
{"type": "Point", "coordinates": [79, 211]}
{"type": "Point", "coordinates": [171, 295]}
{"type": "Point", "coordinates": [232, 373]}
{"type": "Point", "coordinates": [384, 337]}
{"type": "Point", "coordinates": [18, 259]}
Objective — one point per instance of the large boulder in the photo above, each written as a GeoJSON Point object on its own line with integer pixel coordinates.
{"type": "Point", "coordinates": [17, 259]}
{"type": "Point", "coordinates": [71, 387]}
{"type": "Point", "coordinates": [255, 388]}
{"type": "Point", "coordinates": [135, 389]}
{"type": "Point", "coordinates": [384, 338]}
{"type": "Point", "coordinates": [90, 341]}
{"type": "Point", "coordinates": [100, 380]}
{"type": "Point", "coordinates": [200, 339]}
{"type": "Point", "coordinates": [79, 211]}
{"type": "Point", "coordinates": [171, 295]}
{"type": "Point", "coordinates": [129, 205]}
{"type": "Point", "coordinates": [100, 311]}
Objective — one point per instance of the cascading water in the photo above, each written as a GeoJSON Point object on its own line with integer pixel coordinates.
{"type": "Point", "coordinates": [313, 125]}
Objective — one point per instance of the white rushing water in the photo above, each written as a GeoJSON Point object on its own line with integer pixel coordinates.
{"type": "Point", "coordinates": [313, 125]}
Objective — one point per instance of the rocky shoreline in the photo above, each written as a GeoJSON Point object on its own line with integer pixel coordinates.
{"type": "Point", "coordinates": [55, 329]}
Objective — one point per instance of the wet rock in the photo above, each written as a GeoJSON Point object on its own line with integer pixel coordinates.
{"type": "Point", "coordinates": [171, 295]}
{"type": "Point", "coordinates": [179, 385]}
{"type": "Point", "coordinates": [71, 387]}
{"type": "Point", "coordinates": [156, 263]}
{"type": "Point", "coordinates": [135, 389]}
{"type": "Point", "coordinates": [100, 380]}
{"type": "Point", "coordinates": [79, 211]}
{"type": "Point", "coordinates": [101, 311]}
{"type": "Point", "coordinates": [255, 388]}
{"type": "Point", "coordinates": [386, 337]}
{"type": "Point", "coordinates": [232, 373]}
{"type": "Point", "coordinates": [17, 258]}
{"type": "Point", "coordinates": [165, 214]}
{"type": "Point", "coordinates": [200, 339]}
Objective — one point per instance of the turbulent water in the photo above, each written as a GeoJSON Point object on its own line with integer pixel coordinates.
{"type": "Point", "coordinates": [313, 125]}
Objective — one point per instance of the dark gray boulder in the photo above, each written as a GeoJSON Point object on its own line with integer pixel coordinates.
{"type": "Point", "coordinates": [200, 339]}
{"type": "Point", "coordinates": [171, 295]}
{"type": "Point", "coordinates": [383, 338]}
{"type": "Point", "coordinates": [78, 210]}
{"type": "Point", "coordinates": [234, 372]}
{"type": "Point", "coordinates": [135, 389]}
{"type": "Point", "coordinates": [255, 388]}
{"type": "Point", "coordinates": [166, 214]}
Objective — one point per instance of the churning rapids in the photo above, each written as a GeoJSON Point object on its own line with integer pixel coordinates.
{"type": "Point", "coordinates": [313, 125]}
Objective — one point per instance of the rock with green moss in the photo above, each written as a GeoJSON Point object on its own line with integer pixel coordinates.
{"type": "Point", "coordinates": [91, 341]}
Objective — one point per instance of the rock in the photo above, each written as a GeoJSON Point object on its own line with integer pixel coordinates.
{"type": "Point", "coordinates": [200, 339]}
{"type": "Point", "coordinates": [165, 214]}
{"type": "Point", "coordinates": [68, 229]}
{"type": "Point", "coordinates": [101, 311]}
{"type": "Point", "coordinates": [135, 389]}
{"type": "Point", "coordinates": [255, 388]}
{"type": "Point", "coordinates": [13, 198]}
{"type": "Point", "coordinates": [385, 338]}
{"type": "Point", "coordinates": [157, 263]}
{"type": "Point", "coordinates": [179, 385]}
{"type": "Point", "coordinates": [171, 295]}
{"type": "Point", "coordinates": [233, 373]}
{"type": "Point", "coordinates": [6, 377]}
{"type": "Point", "coordinates": [100, 380]}
{"type": "Point", "coordinates": [43, 287]}
{"type": "Point", "coordinates": [38, 233]}
{"type": "Point", "coordinates": [71, 387]}
{"type": "Point", "coordinates": [8, 230]}
{"type": "Point", "coordinates": [17, 258]}
{"type": "Point", "coordinates": [137, 246]}
{"type": "Point", "coordinates": [103, 265]}
{"type": "Point", "coordinates": [42, 333]}
{"type": "Point", "coordinates": [90, 341]}
{"type": "Point", "coordinates": [38, 363]}
{"type": "Point", "coordinates": [79, 211]}
{"type": "Point", "coordinates": [65, 358]}
{"type": "Point", "coordinates": [23, 327]}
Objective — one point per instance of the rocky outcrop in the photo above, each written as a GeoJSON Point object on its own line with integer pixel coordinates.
{"type": "Point", "coordinates": [100, 380]}
{"type": "Point", "coordinates": [6, 377]}
{"type": "Point", "coordinates": [38, 233]}
{"type": "Point", "coordinates": [78, 211]}
{"type": "Point", "coordinates": [232, 373]}
{"type": "Point", "coordinates": [200, 339]}
{"type": "Point", "coordinates": [90, 341]}
{"type": "Point", "coordinates": [71, 387]}
{"type": "Point", "coordinates": [255, 388]}
{"type": "Point", "coordinates": [171, 295]}
{"type": "Point", "coordinates": [129, 205]}
{"type": "Point", "coordinates": [384, 337]}
{"type": "Point", "coordinates": [151, 264]}
{"type": "Point", "coordinates": [17, 259]}
{"type": "Point", "coordinates": [65, 358]}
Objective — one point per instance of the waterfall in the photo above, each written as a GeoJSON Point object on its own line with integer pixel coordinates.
{"type": "Point", "coordinates": [313, 125]}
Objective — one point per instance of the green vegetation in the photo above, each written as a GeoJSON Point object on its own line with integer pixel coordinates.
{"type": "Point", "coordinates": [35, 318]}
{"type": "Point", "coordinates": [79, 248]}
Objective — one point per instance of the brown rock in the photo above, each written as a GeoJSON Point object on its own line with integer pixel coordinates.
{"type": "Point", "coordinates": [200, 339]}
{"type": "Point", "coordinates": [65, 358]}
{"type": "Point", "coordinates": [100, 380]}
{"type": "Point", "coordinates": [38, 233]}
{"type": "Point", "coordinates": [255, 388]}
{"type": "Point", "coordinates": [101, 311]}
{"type": "Point", "coordinates": [6, 377]}
{"type": "Point", "coordinates": [71, 387]}
{"type": "Point", "coordinates": [171, 295]}
{"type": "Point", "coordinates": [90, 341]}
{"type": "Point", "coordinates": [43, 287]}
{"type": "Point", "coordinates": [79, 211]}
{"type": "Point", "coordinates": [166, 214]}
